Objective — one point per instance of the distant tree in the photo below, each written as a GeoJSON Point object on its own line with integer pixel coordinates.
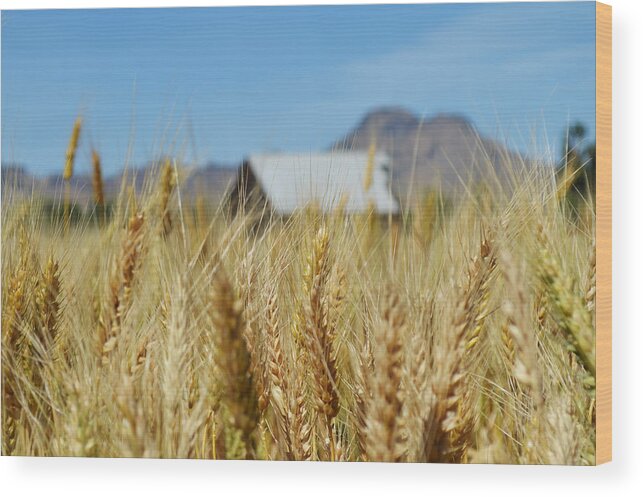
{"type": "Point", "coordinates": [578, 162]}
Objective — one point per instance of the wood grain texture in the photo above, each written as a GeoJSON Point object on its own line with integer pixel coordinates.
{"type": "Point", "coordinates": [603, 233]}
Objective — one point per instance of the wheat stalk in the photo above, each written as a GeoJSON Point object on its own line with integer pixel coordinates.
{"type": "Point", "coordinates": [13, 314]}
{"type": "Point", "coordinates": [370, 166]}
{"type": "Point", "coordinates": [523, 341]}
{"type": "Point", "coordinates": [97, 180]}
{"type": "Point", "coordinates": [97, 185]}
{"type": "Point", "coordinates": [318, 337]}
{"type": "Point", "coordinates": [234, 361]}
{"type": "Point", "coordinates": [48, 303]}
{"type": "Point", "coordinates": [68, 171]}
{"type": "Point", "coordinates": [570, 310]}
{"type": "Point", "coordinates": [72, 148]}
{"type": "Point", "coordinates": [167, 185]}
{"type": "Point", "coordinates": [384, 441]}
{"type": "Point", "coordinates": [121, 287]}
{"type": "Point", "coordinates": [448, 425]}
{"type": "Point", "coordinates": [287, 392]}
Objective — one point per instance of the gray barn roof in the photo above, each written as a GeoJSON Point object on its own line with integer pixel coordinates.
{"type": "Point", "coordinates": [291, 181]}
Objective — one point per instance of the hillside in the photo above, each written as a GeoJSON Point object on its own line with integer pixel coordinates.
{"type": "Point", "coordinates": [211, 179]}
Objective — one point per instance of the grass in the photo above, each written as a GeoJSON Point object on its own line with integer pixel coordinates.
{"type": "Point", "coordinates": [461, 332]}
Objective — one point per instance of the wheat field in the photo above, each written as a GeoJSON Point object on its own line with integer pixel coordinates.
{"type": "Point", "coordinates": [461, 331]}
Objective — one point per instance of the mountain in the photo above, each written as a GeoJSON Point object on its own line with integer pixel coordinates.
{"type": "Point", "coordinates": [443, 151]}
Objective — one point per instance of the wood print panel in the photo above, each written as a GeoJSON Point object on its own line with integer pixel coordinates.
{"type": "Point", "coordinates": [374, 233]}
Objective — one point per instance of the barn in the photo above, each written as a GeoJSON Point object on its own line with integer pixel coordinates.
{"type": "Point", "coordinates": [354, 182]}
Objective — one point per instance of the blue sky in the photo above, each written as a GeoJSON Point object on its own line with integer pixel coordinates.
{"type": "Point", "coordinates": [219, 83]}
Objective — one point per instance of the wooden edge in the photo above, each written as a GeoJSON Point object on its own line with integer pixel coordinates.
{"type": "Point", "coordinates": [603, 233]}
